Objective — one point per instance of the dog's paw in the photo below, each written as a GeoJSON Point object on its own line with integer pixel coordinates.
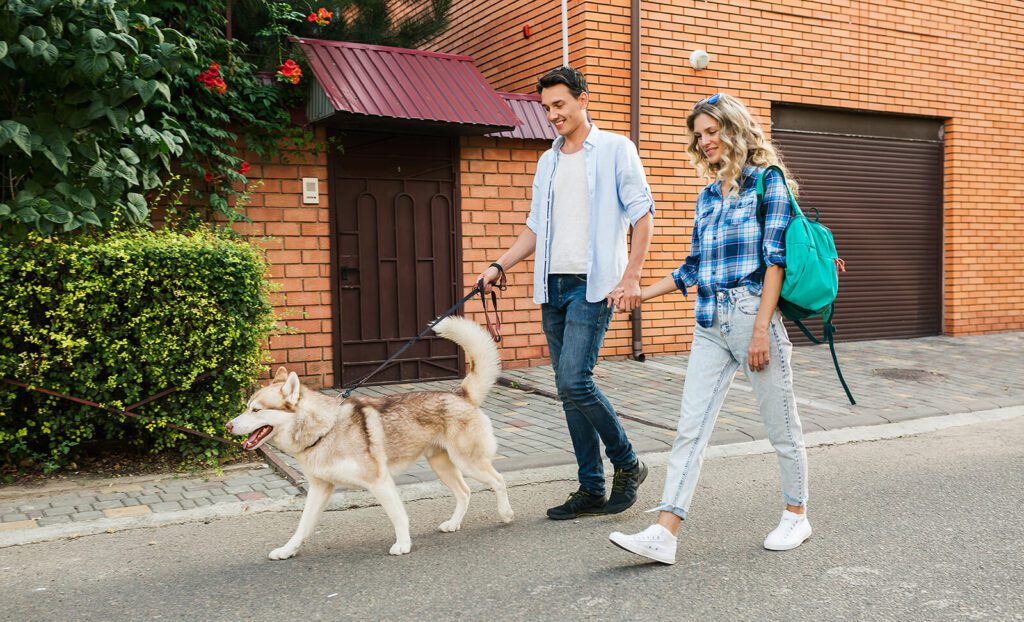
{"type": "Point", "coordinates": [507, 516]}
{"type": "Point", "coordinates": [449, 526]}
{"type": "Point", "coordinates": [401, 548]}
{"type": "Point", "coordinates": [282, 553]}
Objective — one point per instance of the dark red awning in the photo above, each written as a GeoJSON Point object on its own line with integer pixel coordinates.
{"type": "Point", "coordinates": [533, 121]}
{"type": "Point", "coordinates": [396, 83]}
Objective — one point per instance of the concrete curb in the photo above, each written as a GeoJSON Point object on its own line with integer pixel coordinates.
{"type": "Point", "coordinates": [346, 500]}
{"type": "Point", "coordinates": [111, 525]}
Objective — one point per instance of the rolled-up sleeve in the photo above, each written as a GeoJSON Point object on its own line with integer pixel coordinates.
{"type": "Point", "coordinates": [686, 274]}
{"type": "Point", "coordinates": [634, 193]}
{"type": "Point", "coordinates": [777, 216]}
{"type": "Point", "coordinates": [533, 220]}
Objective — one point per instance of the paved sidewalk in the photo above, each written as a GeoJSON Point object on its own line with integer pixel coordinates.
{"type": "Point", "coordinates": [892, 381]}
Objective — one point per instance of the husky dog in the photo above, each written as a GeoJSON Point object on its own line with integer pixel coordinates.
{"type": "Point", "coordinates": [366, 440]}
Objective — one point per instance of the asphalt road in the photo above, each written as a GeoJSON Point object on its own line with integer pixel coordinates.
{"type": "Point", "coordinates": [929, 527]}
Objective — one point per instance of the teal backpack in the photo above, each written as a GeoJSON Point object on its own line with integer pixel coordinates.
{"type": "Point", "coordinates": [812, 272]}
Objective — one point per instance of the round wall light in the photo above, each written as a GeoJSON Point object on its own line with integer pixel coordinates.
{"type": "Point", "coordinates": [699, 59]}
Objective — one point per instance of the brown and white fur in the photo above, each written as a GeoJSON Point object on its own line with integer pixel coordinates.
{"type": "Point", "coordinates": [366, 441]}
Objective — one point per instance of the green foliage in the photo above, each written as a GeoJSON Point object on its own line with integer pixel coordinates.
{"type": "Point", "coordinates": [102, 98]}
{"type": "Point", "coordinates": [250, 113]}
{"type": "Point", "coordinates": [265, 25]}
{"type": "Point", "coordinates": [116, 320]}
{"type": "Point", "coordinates": [84, 132]}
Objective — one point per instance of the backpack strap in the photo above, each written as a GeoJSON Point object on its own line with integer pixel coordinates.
{"type": "Point", "coordinates": [826, 317]}
{"type": "Point", "coordinates": [761, 211]}
{"type": "Point", "coordinates": [830, 331]}
{"type": "Point", "coordinates": [829, 336]}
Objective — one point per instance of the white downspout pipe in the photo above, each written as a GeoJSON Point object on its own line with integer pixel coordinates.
{"type": "Point", "coordinates": [565, 33]}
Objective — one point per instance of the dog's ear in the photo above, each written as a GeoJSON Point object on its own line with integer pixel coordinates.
{"type": "Point", "coordinates": [290, 390]}
{"type": "Point", "coordinates": [281, 375]}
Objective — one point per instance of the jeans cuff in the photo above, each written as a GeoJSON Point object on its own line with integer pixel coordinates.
{"type": "Point", "coordinates": [633, 462]}
{"type": "Point", "coordinates": [668, 507]}
{"type": "Point", "coordinates": [794, 501]}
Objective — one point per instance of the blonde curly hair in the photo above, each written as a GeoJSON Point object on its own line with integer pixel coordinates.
{"type": "Point", "coordinates": [743, 142]}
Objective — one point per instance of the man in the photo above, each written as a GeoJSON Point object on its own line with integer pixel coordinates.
{"type": "Point", "coordinates": [588, 189]}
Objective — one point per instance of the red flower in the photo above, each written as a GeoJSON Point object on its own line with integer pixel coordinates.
{"type": "Point", "coordinates": [244, 168]}
{"type": "Point", "coordinates": [322, 17]}
{"type": "Point", "coordinates": [212, 81]}
{"type": "Point", "coordinates": [289, 72]}
{"type": "Point", "coordinates": [208, 176]}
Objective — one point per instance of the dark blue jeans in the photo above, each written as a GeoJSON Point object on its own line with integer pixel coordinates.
{"type": "Point", "coordinates": [575, 329]}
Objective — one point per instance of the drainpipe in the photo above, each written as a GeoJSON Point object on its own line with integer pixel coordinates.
{"type": "Point", "coordinates": [565, 33]}
{"type": "Point", "coordinates": [634, 134]}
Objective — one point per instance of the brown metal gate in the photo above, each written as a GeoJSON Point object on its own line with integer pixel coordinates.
{"type": "Point", "coordinates": [396, 260]}
{"type": "Point", "coordinates": [877, 182]}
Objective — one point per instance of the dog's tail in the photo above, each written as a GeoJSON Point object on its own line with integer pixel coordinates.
{"type": "Point", "coordinates": [483, 364]}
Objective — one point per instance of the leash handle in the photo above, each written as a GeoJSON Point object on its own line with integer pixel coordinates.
{"type": "Point", "coordinates": [502, 284]}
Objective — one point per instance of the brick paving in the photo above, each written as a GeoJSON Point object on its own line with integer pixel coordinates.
{"type": "Point", "coordinates": [117, 500]}
{"type": "Point", "coordinates": [892, 381]}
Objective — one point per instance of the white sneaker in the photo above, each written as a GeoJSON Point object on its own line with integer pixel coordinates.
{"type": "Point", "coordinates": [655, 543]}
{"type": "Point", "coordinates": [793, 529]}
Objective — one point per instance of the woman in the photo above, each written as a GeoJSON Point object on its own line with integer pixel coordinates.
{"type": "Point", "coordinates": [738, 273]}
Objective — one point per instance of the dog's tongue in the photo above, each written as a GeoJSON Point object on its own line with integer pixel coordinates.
{"type": "Point", "coordinates": [257, 436]}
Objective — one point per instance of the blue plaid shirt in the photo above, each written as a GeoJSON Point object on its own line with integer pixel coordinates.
{"type": "Point", "coordinates": [727, 250]}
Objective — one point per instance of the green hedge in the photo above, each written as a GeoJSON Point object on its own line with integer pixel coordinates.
{"type": "Point", "coordinates": [117, 319]}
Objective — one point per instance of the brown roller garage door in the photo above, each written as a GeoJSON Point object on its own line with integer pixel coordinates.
{"type": "Point", "coordinates": [877, 181]}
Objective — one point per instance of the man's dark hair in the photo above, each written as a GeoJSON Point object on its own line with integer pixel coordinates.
{"type": "Point", "coordinates": [564, 75]}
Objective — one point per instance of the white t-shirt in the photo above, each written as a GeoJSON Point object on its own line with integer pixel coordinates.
{"type": "Point", "coordinates": [570, 216]}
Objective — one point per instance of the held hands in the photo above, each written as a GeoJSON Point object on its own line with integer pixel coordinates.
{"type": "Point", "coordinates": [626, 295]}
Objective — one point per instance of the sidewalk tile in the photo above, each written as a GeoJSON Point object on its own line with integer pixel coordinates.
{"type": "Point", "coordinates": [137, 510]}
{"type": "Point", "coordinates": [83, 516]}
{"type": "Point", "coordinates": [167, 506]}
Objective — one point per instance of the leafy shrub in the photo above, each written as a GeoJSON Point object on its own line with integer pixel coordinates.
{"type": "Point", "coordinates": [84, 132]}
{"type": "Point", "coordinates": [118, 319]}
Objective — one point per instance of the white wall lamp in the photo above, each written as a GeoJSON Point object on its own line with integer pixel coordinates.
{"type": "Point", "coordinates": [699, 59]}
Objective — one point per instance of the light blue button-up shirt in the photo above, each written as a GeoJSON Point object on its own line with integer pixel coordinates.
{"type": "Point", "coordinates": [619, 197]}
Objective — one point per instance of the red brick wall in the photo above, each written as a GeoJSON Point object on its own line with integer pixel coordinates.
{"type": "Point", "coordinates": [491, 31]}
{"type": "Point", "coordinates": [297, 240]}
{"type": "Point", "coordinates": [949, 59]}
{"type": "Point", "coordinates": [496, 176]}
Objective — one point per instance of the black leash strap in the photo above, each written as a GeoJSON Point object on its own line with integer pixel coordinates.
{"type": "Point", "coordinates": [430, 325]}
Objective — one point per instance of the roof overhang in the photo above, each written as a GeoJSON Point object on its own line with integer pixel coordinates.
{"type": "Point", "coordinates": [533, 124]}
{"type": "Point", "coordinates": [377, 87]}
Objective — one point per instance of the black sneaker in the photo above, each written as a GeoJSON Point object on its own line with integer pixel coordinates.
{"type": "Point", "coordinates": [624, 487]}
{"type": "Point", "coordinates": [580, 503]}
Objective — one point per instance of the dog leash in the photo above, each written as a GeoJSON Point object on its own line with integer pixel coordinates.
{"type": "Point", "coordinates": [494, 330]}
{"type": "Point", "coordinates": [128, 410]}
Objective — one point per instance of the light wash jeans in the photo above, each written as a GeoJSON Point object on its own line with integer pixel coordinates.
{"type": "Point", "coordinates": [716, 354]}
{"type": "Point", "coordinates": [575, 329]}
